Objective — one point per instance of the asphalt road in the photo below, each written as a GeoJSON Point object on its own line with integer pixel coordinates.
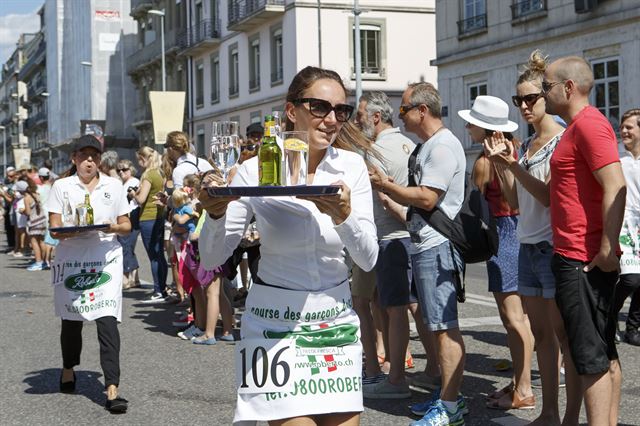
{"type": "Point", "coordinates": [170, 381]}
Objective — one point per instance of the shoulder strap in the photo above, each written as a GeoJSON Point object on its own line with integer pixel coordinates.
{"type": "Point", "coordinates": [192, 163]}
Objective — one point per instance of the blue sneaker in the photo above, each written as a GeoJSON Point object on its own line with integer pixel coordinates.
{"type": "Point", "coordinates": [437, 415]}
{"type": "Point", "coordinates": [421, 408]}
{"type": "Point", "coordinates": [35, 266]}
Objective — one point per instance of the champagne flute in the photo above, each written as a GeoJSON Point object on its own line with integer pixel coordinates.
{"type": "Point", "coordinates": [224, 147]}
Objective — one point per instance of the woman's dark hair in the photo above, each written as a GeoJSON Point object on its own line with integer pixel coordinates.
{"type": "Point", "coordinates": [305, 79]}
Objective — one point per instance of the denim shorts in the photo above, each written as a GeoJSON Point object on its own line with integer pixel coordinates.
{"type": "Point", "coordinates": [585, 303]}
{"type": "Point", "coordinates": [535, 278]}
{"type": "Point", "coordinates": [502, 269]}
{"type": "Point", "coordinates": [434, 274]}
{"type": "Point", "coordinates": [393, 273]}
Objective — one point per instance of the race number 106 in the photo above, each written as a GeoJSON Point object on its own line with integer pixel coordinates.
{"type": "Point", "coordinates": [264, 365]}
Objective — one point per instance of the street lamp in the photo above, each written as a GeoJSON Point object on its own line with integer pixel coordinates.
{"type": "Point", "coordinates": [4, 150]}
{"type": "Point", "coordinates": [160, 13]}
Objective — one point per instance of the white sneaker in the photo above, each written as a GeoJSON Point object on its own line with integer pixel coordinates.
{"type": "Point", "coordinates": [155, 298]}
{"type": "Point", "coordinates": [190, 333]}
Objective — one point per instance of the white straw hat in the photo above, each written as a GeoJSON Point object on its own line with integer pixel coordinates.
{"type": "Point", "coordinates": [489, 113]}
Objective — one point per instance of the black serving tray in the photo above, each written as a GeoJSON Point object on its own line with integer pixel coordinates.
{"type": "Point", "coordinates": [72, 229]}
{"type": "Point", "coordinates": [272, 191]}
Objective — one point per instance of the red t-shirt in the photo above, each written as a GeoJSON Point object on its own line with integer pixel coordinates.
{"type": "Point", "coordinates": [588, 144]}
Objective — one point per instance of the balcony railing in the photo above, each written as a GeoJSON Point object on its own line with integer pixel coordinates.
{"type": "Point", "coordinates": [527, 7]}
{"type": "Point", "coordinates": [241, 11]}
{"type": "Point", "coordinates": [36, 87]}
{"type": "Point", "coordinates": [34, 120]}
{"type": "Point", "coordinates": [151, 52]}
{"type": "Point", "coordinates": [205, 34]}
{"type": "Point", "coordinates": [473, 24]}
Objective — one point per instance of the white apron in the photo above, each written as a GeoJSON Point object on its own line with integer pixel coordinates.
{"type": "Point", "coordinates": [630, 243]}
{"type": "Point", "coordinates": [87, 278]}
{"type": "Point", "coordinates": [313, 362]}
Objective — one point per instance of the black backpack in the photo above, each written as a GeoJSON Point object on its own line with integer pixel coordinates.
{"type": "Point", "coordinates": [473, 231]}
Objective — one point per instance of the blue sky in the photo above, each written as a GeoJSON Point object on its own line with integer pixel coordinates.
{"type": "Point", "coordinates": [16, 17]}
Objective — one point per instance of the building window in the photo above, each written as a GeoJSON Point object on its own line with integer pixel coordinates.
{"type": "Point", "coordinates": [234, 70]}
{"type": "Point", "coordinates": [474, 17]}
{"type": "Point", "coordinates": [522, 8]}
{"type": "Point", "coordinates": [606, 93]}
{"type": "Point", "coordinates": [254, 64]}
{"type": "Point", "coordinates": [276, 56]}
{"type": "Point", "coordinates": [372, 49]}
{"type": "Point", "coordinates": [215, 78]}
{"type": "Point", "coordinates": [476, 89]}
{"type": "Point", "coordinates": [255, 117]}
{"type": "Point", "coordinates": [200, 148]}
{"type": "Point", "coordinates": [199, 84]}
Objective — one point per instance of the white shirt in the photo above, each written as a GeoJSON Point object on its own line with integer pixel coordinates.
{"type": "Point", "coordinates": [132, 182]}
{"type": "Point", "coordinates": [534, 222]}
{"type": "Point", "coordinates": [186, 165]}
{"type": "Point", "coordinates": [631, 170]}
{"type": "Point", "coordinates": [108, 199]}
{"type": "Point", "coordinates": [301, 248]}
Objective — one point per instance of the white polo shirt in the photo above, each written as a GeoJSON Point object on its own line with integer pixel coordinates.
{"type": "Point", "coordinates": [108, 199]}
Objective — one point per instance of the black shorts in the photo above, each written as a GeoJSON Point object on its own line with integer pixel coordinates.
{"type": "Point", "coordinates": [393, 273]}
{"type": "Point", "coordinates": [585, 302]}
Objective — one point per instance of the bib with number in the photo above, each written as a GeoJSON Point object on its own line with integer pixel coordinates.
{"type": "Point", "coordinates": [87, 279]}
{"type": "Point", "coordinates": [298, 351]}
{"type": "Point", "coordinates": [630, 243]}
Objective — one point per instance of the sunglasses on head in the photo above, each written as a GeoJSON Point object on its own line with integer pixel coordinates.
{"type": "Point", "coordinates": [529, 100]}
{"type": "Point", "coordinates": [320, 108]}
{"type": "Point", "coordinates": [123, 170]}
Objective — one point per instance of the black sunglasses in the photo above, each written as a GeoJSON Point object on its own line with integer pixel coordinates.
{"type": "Point", "coordinates": [406, 108]}
{"type": "Point", "coordinates": [123, 170]}
{"type": "Point", "coordinates": [320, 108]}
{"type": "Point", "coordinates": [548, 85]}
{"type": "Point", "coordinates": [529, 99]}
{"type": "Point", "coordinates": [248, 147]}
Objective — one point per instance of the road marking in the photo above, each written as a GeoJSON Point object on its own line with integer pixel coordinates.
{"type": "Point", "coordinates": [479, 322]}
{"type": "Point", "coordinates": [511, 421]}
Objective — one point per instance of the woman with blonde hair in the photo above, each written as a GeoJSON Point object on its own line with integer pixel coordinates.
{"type": "Point", "coordinates": [178, 149]}
{"type": "Point", "coordinates": [152, 218]}
{"type": "Point", "coordinates": [524, 187]}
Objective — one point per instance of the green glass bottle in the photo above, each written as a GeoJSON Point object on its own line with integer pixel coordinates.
{"type": "Point", "coordinates": [87, 205]}
{"type": "Point", "coordinates": [269, 156]}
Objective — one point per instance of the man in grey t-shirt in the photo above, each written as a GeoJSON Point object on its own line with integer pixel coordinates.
{"type": "Point", "coordinates": [438, 182]}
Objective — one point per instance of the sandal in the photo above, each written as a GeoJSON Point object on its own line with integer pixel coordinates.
{"type": "Point", "coordinates": [497, 394]}
{"type": "Point", "coordinates": [408, 362]}
{"type": "Point", "coordinates": [513, 402]}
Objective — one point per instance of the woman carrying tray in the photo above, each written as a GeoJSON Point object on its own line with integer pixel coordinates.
{"type": "Point", "coordinates": [87, 271]}
{"type": "Point", "coordinates": [300, 343]}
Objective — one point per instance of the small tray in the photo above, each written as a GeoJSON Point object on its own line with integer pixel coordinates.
{"type": "Point", "coordinates": [72, 229]}
{"type": "Point", "coordinates": [273, 191]}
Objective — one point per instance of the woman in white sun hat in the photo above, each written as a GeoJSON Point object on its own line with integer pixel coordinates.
{"type": "Point", "coordinates": [489, 117]}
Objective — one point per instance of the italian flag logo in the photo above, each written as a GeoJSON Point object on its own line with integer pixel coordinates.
{"type": "Point", "coordinates": [87, 297]}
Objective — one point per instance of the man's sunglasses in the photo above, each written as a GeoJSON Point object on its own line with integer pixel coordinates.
{"type": "Point", "coordinates": [320, 108]}
{"type": "Point", "coordinates": [548, 85]}
{"type": "Point", "coordinates": [248, 147]}
{"type": "Point", "coordinates": [123, 170]}
{"type": "Point", "coordinates": [529, 100]}
{"type": "Point", "coordinates": [406, 108]}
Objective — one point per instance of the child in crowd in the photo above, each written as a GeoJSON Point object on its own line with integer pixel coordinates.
{"type": "Point", "coordinates": [184, 216]}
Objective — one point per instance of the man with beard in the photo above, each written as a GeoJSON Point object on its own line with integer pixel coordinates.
{"type": "Point", "coordinates": [587, 194]}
